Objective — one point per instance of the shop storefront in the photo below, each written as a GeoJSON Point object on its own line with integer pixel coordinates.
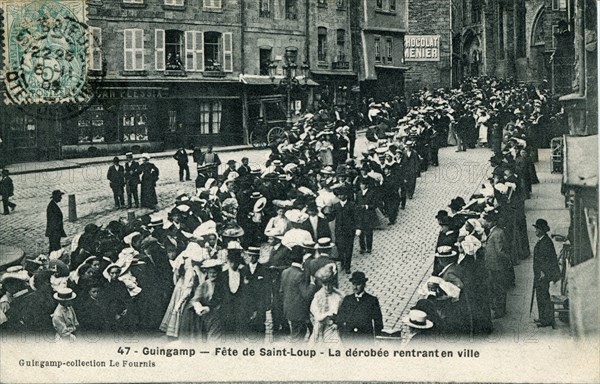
{"type": "Point", "coordinates": [335, 89]}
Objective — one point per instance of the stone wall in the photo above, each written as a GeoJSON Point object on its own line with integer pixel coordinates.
{"type": "Point", "coordinates": [429, 17]}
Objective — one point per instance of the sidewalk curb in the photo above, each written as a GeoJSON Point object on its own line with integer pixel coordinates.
{"type": "Point", "coordinates": [79, 163]}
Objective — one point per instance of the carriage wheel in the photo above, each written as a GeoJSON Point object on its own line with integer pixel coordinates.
{"type": "Point", "coordinates": [274, 134]}
{"type": "Point", "coordinates": [257, 140]}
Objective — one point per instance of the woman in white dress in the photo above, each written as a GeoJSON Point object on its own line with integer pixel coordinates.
{"type": "Point", "coordinates": [325, 306]}
{"type": "Point", "coordinates": [482, 120]}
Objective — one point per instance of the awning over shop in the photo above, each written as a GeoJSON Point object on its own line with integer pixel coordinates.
{"type": "Point", "coordinates": [266, 80]}
{"type": "Point", "coordinates": [581, 161]}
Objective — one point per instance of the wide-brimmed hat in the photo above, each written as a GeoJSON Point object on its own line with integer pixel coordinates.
{"type": "Point", "coordinates": [260, 204]}
{"type": "Point", "coordinates": [233, 231]}
{"type": "Point", "coordinates": [457, 203]}
{"type": "Point", "coordinates": [441, 213]}
{"type": "Point", "coordinates": [358, 278]}
{"type": "Point", "coordinates": [324, 243]}
{"type": "Point", "coordinates": [542, 224]}
{"type": "Point", "coordinates": [328, 170]}
{"type": "Point", "coordinates": [211, 263]}
{"type": "Point", "coordinates": [57, 192]}
{"type": "Point", "coordinates": [155, 221]}
{"type": "Point", "coordinates": [209, 183]}
{"type": "Point", "coordinates": [64, 294]}
{"type": "Point", "coordinates": [309, 244]}
{"type": "Point", "coordinates": [326, 273]}
{"type": "Point", "coordinates": [251, 250]}
{"type": "Point", "coordinates": [417, 319]}
{"type": "Point", "coordinates": [445, 251]}
{"type": "Point", "coordinates": [296, 216]}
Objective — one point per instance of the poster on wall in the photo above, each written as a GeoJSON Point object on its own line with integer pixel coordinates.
{"type": "Point", "coordinates": [422, 48]}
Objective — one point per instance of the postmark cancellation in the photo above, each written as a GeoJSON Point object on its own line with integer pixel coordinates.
{"type": "Point", "coordinates": [45, 51]}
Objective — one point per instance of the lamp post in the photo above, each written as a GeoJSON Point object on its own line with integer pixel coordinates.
{"type": "Point", "coordinates": [289, 81]}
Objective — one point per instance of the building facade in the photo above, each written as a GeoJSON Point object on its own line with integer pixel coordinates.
{"type": "Point", "coordinates": [378, 28]}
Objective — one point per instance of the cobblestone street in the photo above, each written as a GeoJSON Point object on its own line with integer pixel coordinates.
{"type": "Point", "coordinates": [402, 253]}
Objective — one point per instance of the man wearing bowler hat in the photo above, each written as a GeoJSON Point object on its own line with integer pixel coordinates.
{"type": "Point", "coordinates": [116, 177]}
{"type": "Point", "coordinates": [359, 316]}
{"type": "Point", "coordinates": [54, 221]}
{"type": "Point", "coordinates": [545, 270]}
{"type": "Point", "coordinates": [132, 179]}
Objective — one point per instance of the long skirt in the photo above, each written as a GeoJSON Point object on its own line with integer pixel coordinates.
{"type": "Point", "coordinates": [208, 327]}
{"type": "Point", "coordinates": [483, 133]}
{"type": "Point", "coordinates": [452, 136]}
{"type": "Point", "coordinates": [148, 195]}
{"type": "Point", "coordinates": [171, 320]}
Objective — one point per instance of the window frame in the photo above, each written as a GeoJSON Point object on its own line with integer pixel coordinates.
{"type": "Point", "coordinates": [341, 48]}
{"type": "Point", "coordinates": [212, 4]}
{"type": "Point", "coordinates": [264, 11]}
{"type": "Point", "coordinates": [182, 42]}
{"type": "Point", "coordinates": [174, 3]}
{"type": "Point", "coordinates": [389, 49]}
{"type": "Point", "coordinates": [133, 50]}
{"type": "Point", "coordinates": [322, 44]}
{"type": "Point", "coordinates": [132, 1]}
{"type": "Point", "coordinates": [377, 48]}
{"type": "Point", "coordinates": [288, 5]}
{"type": "Point", "coordinates": [193, 55]}
{"type": "Point", "coordinates": [95, 48]}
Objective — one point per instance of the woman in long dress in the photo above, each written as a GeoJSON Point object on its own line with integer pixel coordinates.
{"type": "Point", "coordinates": [325, 306]}
{"type": "Point", "coordinates": [186, 278]}
{"type": "Point", "coordinates": [324, 148]}
{"type": "Point", "coordinates": [150, 174]}
{"type": "Point", "coordinates": [482, 120]}
{"type": "Point", "coordinates": [202, 317]}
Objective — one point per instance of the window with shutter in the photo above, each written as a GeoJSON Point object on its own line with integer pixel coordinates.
{"type": "Point", "coordinates": [128, 49]}
{"type": "Point", "coordinates": [159, 49]}
{"type": "Point", "coordinates": [216, 4]}
{"type": "Point", "coordinates": [95, 48]}
{"type": "Point", "coordinates": [199, 50]}
{"type": "Point", "coordinates": [139, 49]}
{"type": "Point", "coordinates": [227, 52]}
{"type": "Point", "coordinates": [190, 54]}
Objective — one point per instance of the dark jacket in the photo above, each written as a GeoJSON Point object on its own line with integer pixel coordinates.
{"type": "Point", "coordinates": [7, 188]}
{"type": "Point", "coordinates": [345, 224]}
{"type": "Point", "coordinates": [182, 157]}
{"type": "Point", "coordinates": [544, 260]}
{"type": "Point", "coordinates": [116, 175]}
{"type": "Point", "coordinates": [323, 229]}
{"type": "Point", "coordinates": [54, 220]}
{"type": "Point", "coordinates": [497, 258]}
{"type": "Point", "coordinates": [132, 173]}
{"type": "Point", "coordinates": [297, 294]}
{"type": "Point", "coordinates": [360, 317]}
{"type": "Point", "coordinates": [366, 217]}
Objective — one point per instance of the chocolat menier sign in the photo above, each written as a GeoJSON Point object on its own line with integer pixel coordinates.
{"type": "Point", "coordinates": [422, 48]}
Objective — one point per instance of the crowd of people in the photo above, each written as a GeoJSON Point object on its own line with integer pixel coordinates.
{"type": "Point", "coordinates": [273, 238]}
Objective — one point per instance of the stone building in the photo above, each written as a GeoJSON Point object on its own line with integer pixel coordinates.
{"type": "Point", "coordinates": [378, 31]}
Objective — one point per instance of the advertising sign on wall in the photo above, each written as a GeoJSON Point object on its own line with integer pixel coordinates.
{"type": "Point", "coordinates": [422, 48]}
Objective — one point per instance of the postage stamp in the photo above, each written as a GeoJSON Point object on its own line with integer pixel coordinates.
{"type": "Point", "coordinates": [45, 51]}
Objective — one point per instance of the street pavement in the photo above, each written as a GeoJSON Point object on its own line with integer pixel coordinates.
{"type": "Point", "coordinates": [402, 253]}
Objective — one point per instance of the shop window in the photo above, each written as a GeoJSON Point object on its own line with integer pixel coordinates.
{"type": "Point", "coordinates": [377, 49]}
{"type": "Point", "coordinates": [91, 125]}
{"type": "Point", "coordinates": [341, 44]}
{"type": "Point", "coordinates": [212, 4]}
{"type": "Point", "coordinates": [291, 9]}
{"type": "Point", "coordinates": [95, 48]}
{"type": "Point", "coordinates": [264, 60]}
{"type": "Point", "coordinates": [210, 117]}
{"type": "Point", "coordinates": [389, 49]}
{"type": "Point", "coordinates": [23, 131]}
{"type": "Point", "coordinates": [264, 8]}
{"type": "Point", "coordinates": [134, 49]}
{"type": "Point", "coordinates": [134, 123]}
{"type": "Point", "coordinates": [322, 44]}
{"type": "Point", "coordinates": [174, 49]}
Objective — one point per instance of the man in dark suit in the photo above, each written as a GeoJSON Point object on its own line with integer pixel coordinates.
{"type": "Point", "coordinates": [545, 270]}
{"type": "Point", "coordinates": [410, 168]}
{"type": "Point", "coordinates": [297, 295]}
{"type": "Point", "coordinates": [366, 217]}
{"type": "Point", "coordinates": [132, 179]}
{"type": "Point", "coordinates": [345, 226]}
{"type": "Point", "coordinates": [257, 295]}
{"type": "Point", "coordinates": [359, 316]}
{"type": "Point", "coordinates": [316, 225]}
{"type": "Point", "coordinates": [54, 221]}
{"type": "Point", "coordinates": [7, 189]}
{"type": "Point", "coordinates": [116, 177]}
{"type": "Point", "coordinates": [182, 162]}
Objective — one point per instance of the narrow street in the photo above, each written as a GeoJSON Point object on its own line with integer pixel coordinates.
{"type": "Point", "coordinates": [402, 254]}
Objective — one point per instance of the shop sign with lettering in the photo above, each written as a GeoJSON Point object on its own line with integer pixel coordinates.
{"type": "Point", "coordinates": [422, 48]}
